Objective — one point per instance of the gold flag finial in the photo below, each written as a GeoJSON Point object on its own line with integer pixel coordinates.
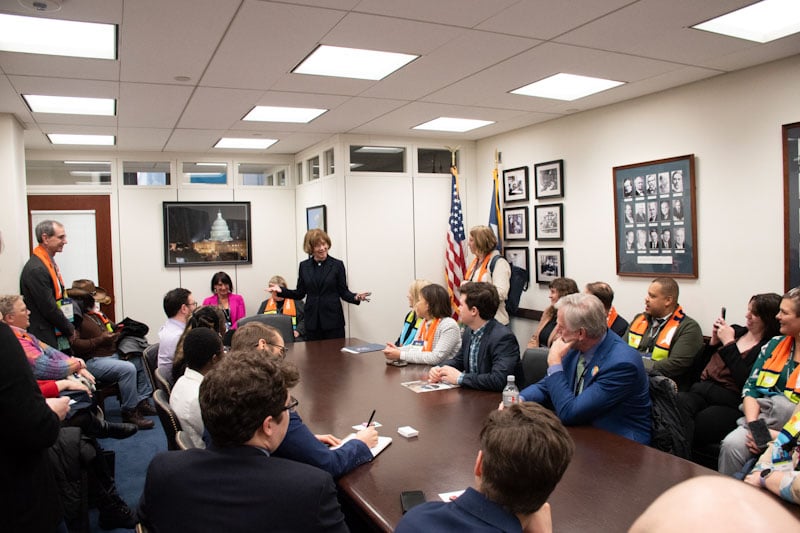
{"type": "Point", "coordinates": [453, 154]}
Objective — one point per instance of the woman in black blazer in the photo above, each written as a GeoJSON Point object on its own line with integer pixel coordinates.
{"type": "Point", "coordinates": [322, 281]}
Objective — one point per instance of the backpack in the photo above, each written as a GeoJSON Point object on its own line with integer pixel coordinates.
{"type": "Point", "coordinates": [517, 285]}
{"type": "Point", "coordinates": [668, 431]}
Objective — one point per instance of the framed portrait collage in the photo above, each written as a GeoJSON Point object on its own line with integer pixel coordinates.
{"type": "Point", "coordinates": [548, 218]}
{"type": "Point", "coordinates": [654, 213]}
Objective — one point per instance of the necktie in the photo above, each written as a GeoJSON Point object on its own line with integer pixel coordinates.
{"type": "Point", "coordinates": [580, 370]}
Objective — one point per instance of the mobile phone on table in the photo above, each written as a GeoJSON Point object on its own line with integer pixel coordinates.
{"type": "Point", "coordinates": [760, 432]}
{"type": "Point", "coordinates": [722, 313]}
{"type": "Point", "coordinates": [411, 498]}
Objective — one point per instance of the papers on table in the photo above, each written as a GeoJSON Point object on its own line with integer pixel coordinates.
{"type": "Point", "coordinates": [383, 442]}
{"type": "Point", "coordinates": [450, 496]}
{"type": "Point", "coordinates": [364, 348]}
{"type": "Point", "coordinates": [427, 386]}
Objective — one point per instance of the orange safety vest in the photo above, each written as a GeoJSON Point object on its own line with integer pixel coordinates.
{"type": "Point", "coordinates": [103, 319]}
{"type": "Point", "coordinates": [427, 333]}
{"type": "Point", "coordinates": [52, 268]}
{"type": "Point", "coordinates": [773, 368]}
{"type": "Point", "coordinates": [612, 316]}
{"type": "Point", "coordinates": [289, 309]}
{"type": "Point", "coordinates": [664, 339]}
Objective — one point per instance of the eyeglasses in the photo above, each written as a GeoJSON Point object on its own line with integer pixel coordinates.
{"type": "Point", "coordinates": [191, 304]}
{"type": "Point", "coordinates": [283, 349]}
{"type": "Point", "coordinates": [292, 404]}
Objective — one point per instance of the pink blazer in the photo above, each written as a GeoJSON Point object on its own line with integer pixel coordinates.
{"type": "Point", "coordinates": [236, 303]}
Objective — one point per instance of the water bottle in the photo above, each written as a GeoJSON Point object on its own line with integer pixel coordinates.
{"type": "Point", "coordinates": [510, 393]}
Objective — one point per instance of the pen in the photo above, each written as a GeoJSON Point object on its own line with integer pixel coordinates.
{"type": "Point", "coordinates": [370, 418]}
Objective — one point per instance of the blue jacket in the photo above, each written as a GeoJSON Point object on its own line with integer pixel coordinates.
{"type": "Point", "coordinates": [469, 512]}
{"type": "Point", "coordinates": [301, 445]}
{"type": "Point", "coordinates": [498, 358]}
{"type": "Point", "coordinates": [616, 393]}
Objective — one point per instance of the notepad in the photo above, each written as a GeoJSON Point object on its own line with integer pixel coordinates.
{"type": "Point", "coordinates": [383, 442]}
{"type": "Point", "coordinates": [364, 348]}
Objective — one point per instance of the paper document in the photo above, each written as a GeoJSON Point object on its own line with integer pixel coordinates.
{"type": "Point", "coordinates": [427, 386]}
{"type": "Point", "coordinates": [383, 442]}
{"type": "Point", "coordinates": [364, 348]}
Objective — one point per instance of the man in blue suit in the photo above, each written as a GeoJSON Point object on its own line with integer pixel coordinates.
{"type": "Point", "coordinates": [593, 376]}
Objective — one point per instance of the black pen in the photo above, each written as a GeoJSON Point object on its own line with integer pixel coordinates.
{"type": "Point", "coordinates": [370, 418]}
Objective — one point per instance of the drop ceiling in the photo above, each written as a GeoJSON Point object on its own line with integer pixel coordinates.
{"type": "Point", "coordinates": [237, 54]}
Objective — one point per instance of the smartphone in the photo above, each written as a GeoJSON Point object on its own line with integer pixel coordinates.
{"type": "Point", "coordinates": [760, 432]}
{"type": "Point", "coordinates": [411, 498]}
{"type": "Point", "coordinates": [722, 313]}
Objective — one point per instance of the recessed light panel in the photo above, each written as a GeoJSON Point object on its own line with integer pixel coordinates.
{"type": "Point", "coordinates": [68, 138]}
{"type": "Point", "coordinates": [33, 35]}
{"type": "Point", "coordinates": [453, 124]}
{"type": "Point", "coordinates": [566, 87]}
{"type": "Point", "coordinates": [70, 105]}
{"type": "Point", "coordinates": [352, 63]}
{"type": "Point", "coordinates": [245, 143]}
{"type": "Point", "coordinates": [761, 22]}
{"type": "Point", "coordinates": [299, 115]}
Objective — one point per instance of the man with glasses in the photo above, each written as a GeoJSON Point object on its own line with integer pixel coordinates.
{"type": "Point", "coordinates": [300, 443]}
{"type": "Point", "coordinates": [178, 306]}
{"type": "Point", "coordinates": [593, 378]}
{"type": "Point", "coordinates": [237, 484]}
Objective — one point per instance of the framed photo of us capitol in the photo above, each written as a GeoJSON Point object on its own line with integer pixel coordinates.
{"type": "Point", "coordinates": [207, 233]}
{"type": "Point", "coordinates": [655, 218]}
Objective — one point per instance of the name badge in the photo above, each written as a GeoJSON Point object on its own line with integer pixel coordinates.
{"type": "Point", "coordinates": [65, 304]}
{"type": "Point", "coordinates": [416, 346]}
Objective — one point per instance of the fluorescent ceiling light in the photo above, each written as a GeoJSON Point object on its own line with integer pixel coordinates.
{"type": "Point", "coordinates": [211, 164]}
{"type": "Point", "coordinates": [89, 173]}
{"type": "Point", "coordinates": [761, 22]}
{"type": "Point", "coordinates": [300, 115]}
{"type": "Point", "coordinates": [566, 87]}
{"type": "Point", "coordinates": [107, 163]}
{"type": "Point", "coordinates": [71, 105]}
{"type": "Point", "coordinates": [379, 150]}
{"type": "Point", "coordinates": [250, 144]}
{"type": "Point", "coordinates": [352, 63]}
{"type": "Point", "coordinates": [453, 124]}
{"type": "Point", "coordinates": [33, 35]}
{"type": "Point", "coordinates": [68, 138]}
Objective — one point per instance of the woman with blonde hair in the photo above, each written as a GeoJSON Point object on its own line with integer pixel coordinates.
{"type": "Point", "coordinates": [322, 281]}
{"type": "Point", "coordinates": [295, 309]}
{"type": "Point", "coordinates": [489, 266]}
{"type": "Point", "coordinates": [412, 322]}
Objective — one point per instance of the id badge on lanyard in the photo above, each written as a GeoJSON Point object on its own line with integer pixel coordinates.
{"type": "Point", "coordinates": [65, 304]}
{"type": "Point", "coordinates": [416, 346]}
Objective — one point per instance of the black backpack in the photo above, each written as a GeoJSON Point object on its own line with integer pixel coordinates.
{"type": "Point", "coordinates": [517, 285]}
{"type": "Point", "coordinates": [668, 430]}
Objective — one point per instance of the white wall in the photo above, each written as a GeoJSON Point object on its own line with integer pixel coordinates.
{"type": "Point", "coordinates": [731, 123]}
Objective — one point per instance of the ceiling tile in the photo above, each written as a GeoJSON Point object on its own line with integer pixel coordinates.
{"type": "Point", "coordinates": [145, 105]}
{"type": "Point", "coordinates": [466, 13]}
{"type": "Point", "coordinates": [142, 139]}
{"type": "Point", "coordinates": [218, 108]}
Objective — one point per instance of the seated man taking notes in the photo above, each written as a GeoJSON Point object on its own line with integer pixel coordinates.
{"type": "Point", "coordinates": [593, 377]}
{"type": "Point", "coordinates": [524, 451]}
{"type": "Point", "coordinates": [237, 484]}
{"type": "Point", "coordinates": [489, 350]}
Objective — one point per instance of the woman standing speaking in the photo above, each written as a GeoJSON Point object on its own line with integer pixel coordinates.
{"type": "Point", "coordinates": [322, 281]}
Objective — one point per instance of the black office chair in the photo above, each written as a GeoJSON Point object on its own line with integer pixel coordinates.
{"type": "Point", "coordinates": [168, 418]}
{"type": "Point", "coordinates": [162, 383]}
{"type": "Point", "coordinates": [283, 323]}
{"type": "Point", "coordinates": [150, 359]}
{"type": "Point", "coordinates": [183, 441]}
{"type": "Point", "coordinates": [534, 365]}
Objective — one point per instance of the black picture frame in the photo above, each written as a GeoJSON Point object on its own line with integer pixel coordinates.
{"type": "Point", "coordinates": [515, 184]}
{"type": "Point", "coordinates": [655, 218]}
{"type": "Point", "coordinates": [791, 204]}
{"type": "Point", "coordinates": [518, 256]}
{"type": "Point", "coordinates": [549, 220]}
{"type": "Point", "coordinates": [317, 217]}
{"type": "Point", "coordinates": [549, 264]}
{"type": "Point", "coordinates": [515, 223]}
{"type": "Point", "coordinates": [549, 179]}
{"type": "Point", "coordinates": [194, 235]}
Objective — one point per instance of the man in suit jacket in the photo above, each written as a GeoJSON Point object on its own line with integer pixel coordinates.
{"type": "Point", "coordinates": [43, 288]}
{"type": "Point", "coordinates": [236, 485]}
{"type": "Point", "coordinates": [593, 377]}
{"type": "Point", "coordinates": [489, 350]}
{"type": "Point", "coordinates": [530, 438]}
{"type": "Point", "coordinates": [323, 282]}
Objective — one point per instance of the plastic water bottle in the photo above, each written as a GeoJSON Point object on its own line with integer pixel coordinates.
{"type": "Point", "coordinates": [510, 393]}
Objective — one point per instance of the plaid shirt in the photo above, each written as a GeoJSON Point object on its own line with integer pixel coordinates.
{"type": "Point", "coordinates": [46, 362]}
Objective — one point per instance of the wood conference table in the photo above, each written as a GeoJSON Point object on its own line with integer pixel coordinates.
{"type": "Point", "coordinates": [610, 481]}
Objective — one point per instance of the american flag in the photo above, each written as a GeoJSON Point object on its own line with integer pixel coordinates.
{"type": "Point", "coordinates": [454, 256]}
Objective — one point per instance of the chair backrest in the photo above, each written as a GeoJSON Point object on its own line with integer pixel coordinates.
{"type": "Point", "coordinates": [283, 323]}
{"type": "Point", "coordinates": [150, 358]}
{"type": "Point", "coordinates": [183, 441]}
{"type": "Point", "coordinates": [162, 383]}
{"type": "Point", "coordinates": [534, 365]}
{"type": "Point", "coordinates": [168, 418]}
